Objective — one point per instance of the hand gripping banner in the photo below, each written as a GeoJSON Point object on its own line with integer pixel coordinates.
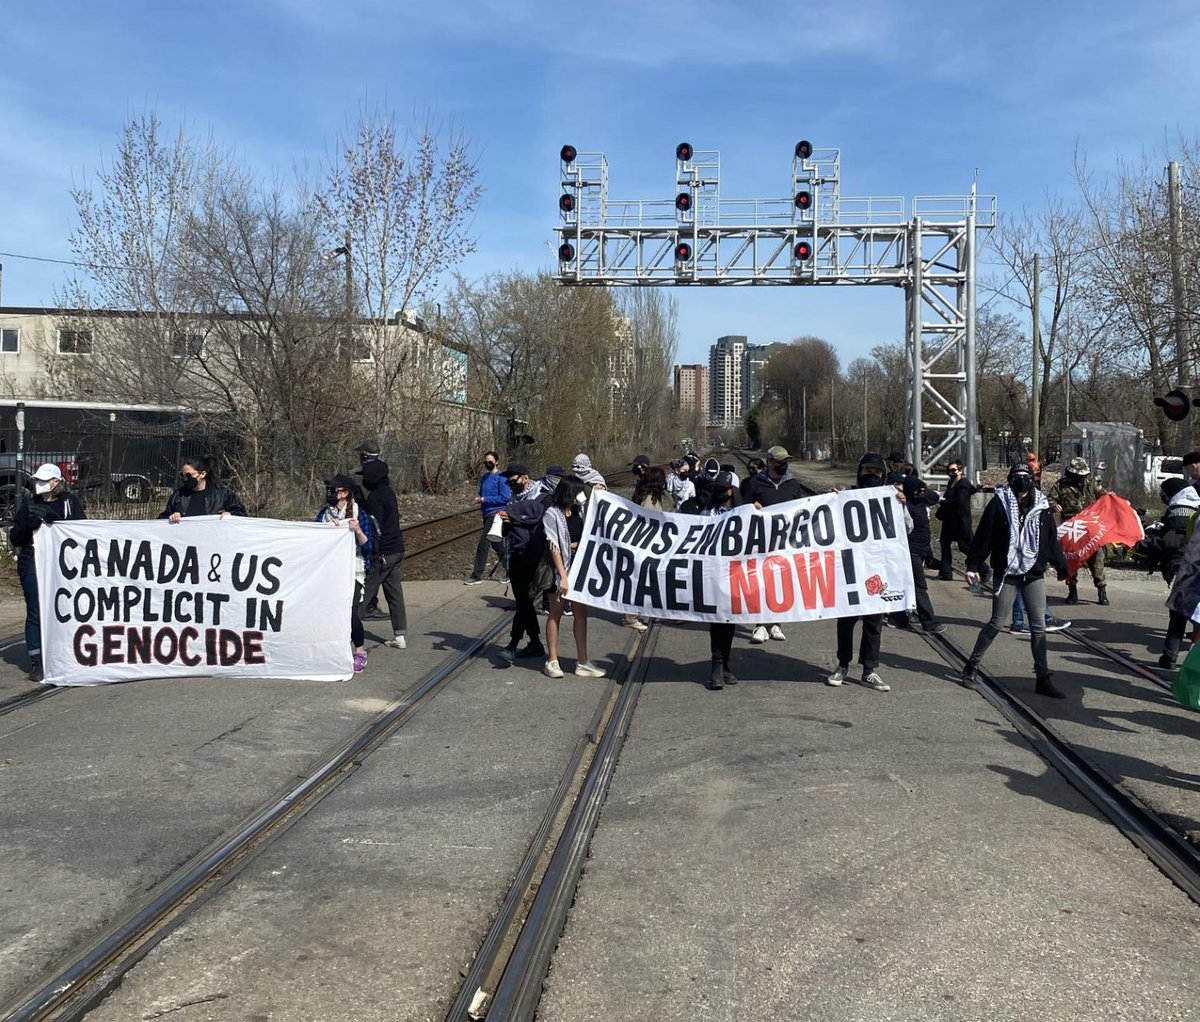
{"type": "Point", "coordinates": [834, 555]}
{"type": "Point", "coordinates": [229, 596]}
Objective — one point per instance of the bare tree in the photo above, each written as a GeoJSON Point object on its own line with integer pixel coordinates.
{"type": "Point", "coordinates": [651, 318]}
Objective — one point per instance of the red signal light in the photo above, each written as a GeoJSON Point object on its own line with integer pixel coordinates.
{"type": "Point", "coordinates": [683, 202]}
{"type": "Point", "coordinates": [803, 200]}
{"type": "Point", "coordinates": [684, 151]}
{"type": "Point", "coordinates": [567, 154]}
{"type": "Point", "coordinates": [566, 203]}
{"type": "Point", "coordinates": [803, 149]}
{"type": "Point", "coordinates": [566, 252]}
{"type": "Point", "coordinates": [803, 251]}
{"type": "Point", "coordinates": [683, 252]}
{"type": "Point", "coordinates": [1175, 405]}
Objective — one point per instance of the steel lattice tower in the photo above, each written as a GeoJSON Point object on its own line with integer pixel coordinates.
{"type": "Point", "coordinates": [814, 236]}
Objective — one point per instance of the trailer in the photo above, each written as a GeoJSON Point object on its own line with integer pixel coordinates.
{"type": "Point", "coordinates": [1113, 451]}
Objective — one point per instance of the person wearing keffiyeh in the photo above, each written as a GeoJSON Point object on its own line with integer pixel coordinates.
{"type": "Point", "coordinates": [1017, 535]}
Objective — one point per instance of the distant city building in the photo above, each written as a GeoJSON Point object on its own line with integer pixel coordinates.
{"type": "Point", "coordinates": [725, 375]}
{"type": "Point", "coordinates": [691, 389]}
{"type": "Point", "coordinates": [620, 361]}
{"type": "Point", "coordinates": [753, 363]}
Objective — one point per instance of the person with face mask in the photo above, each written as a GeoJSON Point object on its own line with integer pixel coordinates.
{"type": "Point", "coordinates": [525, 545]}
{"type": "Point", "coordinates": [198, 493]}
{"type": "Point", "coordinates": [387, 564]}
{"type": "Point", "coordinates": [345, 509]}
{"type": "Point", "coordinates": [1018, 535]}
{"type": "Point", "coordinates": [679, 486]}
{"type": "Point", "coordinates": [493, 495]}
{"type": "Point", "coordinates": [52, 502]}
{"type": "Point", "coordinates": [872, 474]}
{"type": "Point", "coordinates": [954, 512]}
{"type": "Point", "coordinates": [1070, 495]}
{"type": "Point", "coordinates": [717, 496]}
{"type": "Point", "coordinates": [773, 485]}
{"type": "Point", "coordinates": [563, 522]}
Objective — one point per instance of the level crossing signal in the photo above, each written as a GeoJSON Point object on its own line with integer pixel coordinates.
{"type": "Point", "coordinates": [683, 252]}
{"type": "Point", "coordinates": [804, 200]}
{"type": "Point", "coordinates": [566, 202]}
{"type": "Point", "coordinates": [1176, 404]}
{"type": "Point", "coordinates": [568, 153]}
{"type": "Point", "coordinates": [803, 251]}
{"type": "Point", "coordinates": [566, 252]}
{"type": "Point", "coordinates": [684, 152]}
{"type": "Point", "coordinates": [683, 202]}
{"type": "Point", "coordinates": [803, 149]}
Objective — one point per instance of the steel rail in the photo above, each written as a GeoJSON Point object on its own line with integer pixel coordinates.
{"type": "Point", "coordinates": [1169, 850]}
{"type": "Point", "coordinates": [520, 987]}
{"type": "Point", "coordinates": [78, 985]}
{"type": "Point", "coordinates": [23, 699]}
{"type": "Point", "coordinates": [480, 979]}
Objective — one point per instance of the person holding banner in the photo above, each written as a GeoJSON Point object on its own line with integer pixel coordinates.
{"type": "Point", "coordinates": [679, 486]}
{"type": "Point", "coordinates": [342, 509]}
{"type": "Point", "coordinates": [52, 502]}
{"type": "Point", "coordinates": [199, 493]}
{"type": "Point", "coordinates": [716, 497]}
{"type": "Point", "coordinates": [1070, 495]}
{"type": "Point", "coordinates": [563, 522]}
{"type": "Point", "coordinates": [651, 492]}
{"type": "Point", "coordinates": [773, 485]}
{"type": "Point", "coordinates": [1018, 535]}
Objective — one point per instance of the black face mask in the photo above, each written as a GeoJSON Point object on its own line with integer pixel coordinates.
{"type": "Point", "coordinates": [870, 479]}
{"type": "Point", "coordinates": [490, 466]}
{"type": "Point", "coordinates": [515, 485]}
{"type": "Point", "coordinates": [187, 484]}
{"type": "Point", "coordinates": [331, 497]}
{"type": "Point", "coordinates": [1021, 483]}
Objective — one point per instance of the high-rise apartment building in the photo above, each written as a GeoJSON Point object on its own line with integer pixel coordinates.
{"type": "Point", "coordinates": [691, 390]}
{"type": "Point", "coordinates": [752, 372]}
{"type": "Point", "coordinates": [725, 373]}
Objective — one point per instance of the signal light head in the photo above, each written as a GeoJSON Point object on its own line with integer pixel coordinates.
{"type": "Point", "coordinates": [1175, 405]}
{"type": "Point", "coordinates": [684, 151]}
{"type": "Point", "coordinates": [683, 252]}
{"type": "Point", "coordinates": [567, 154]}
{"type": "Point", "coordinates": [683, 202]}
{"type": "Point", "coordinates": [803, 149]}
{"type": "Point", "coordinates": [803, 200]}
{"type": "Point", "coordinates": [566, 203]}
{"type": "Point", "coordinates": [566, 252]}
{"type": "Point", "coordinates": [803, 251]}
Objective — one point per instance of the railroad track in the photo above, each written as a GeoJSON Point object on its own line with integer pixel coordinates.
{"type": "Point", "coordinates": [509, 966]}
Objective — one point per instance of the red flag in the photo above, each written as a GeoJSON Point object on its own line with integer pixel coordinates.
{"type": "Point", "coordinates": [1111, 519]}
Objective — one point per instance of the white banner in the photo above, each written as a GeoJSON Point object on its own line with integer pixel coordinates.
{"type": "Point", "coordinates": [248, 597]}
{"type": "Point", "coordinates": [834, 555]}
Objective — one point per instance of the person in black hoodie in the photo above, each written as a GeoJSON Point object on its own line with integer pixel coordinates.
{"type": "Point", "coordinates": [918, 500]}
{"type": "Point", "coordinates": [52, 502]}
{"type": "Point", "coordinates": [955, 515]}
{"type": "Point", "coordinates": [386, 567]}
{"type": "Point", "coordinates": [199, 493]}
{"type": "Point", "coordinates": [1018, 535]}
{"type": "Point", "coordinates": [773, 485]}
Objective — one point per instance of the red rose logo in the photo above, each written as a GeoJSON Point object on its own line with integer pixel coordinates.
{"type": "Point", "coordinates": [875, 585]}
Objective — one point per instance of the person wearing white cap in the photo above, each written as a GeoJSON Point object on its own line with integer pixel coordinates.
{"type": "Point", "coordinates": [52, 502]}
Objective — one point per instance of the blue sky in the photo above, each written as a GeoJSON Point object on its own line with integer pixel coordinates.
{"type": "Point", "coordinates": [916, 95]}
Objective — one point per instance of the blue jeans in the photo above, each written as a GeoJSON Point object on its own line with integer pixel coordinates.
{"type": "Point", "coordinates": [1018, 617]}
{"type": "Point", "coordinates": [33, 615]}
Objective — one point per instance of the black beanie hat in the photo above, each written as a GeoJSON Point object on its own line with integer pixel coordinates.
{"type": "Point", "coordinates": [872, 459]}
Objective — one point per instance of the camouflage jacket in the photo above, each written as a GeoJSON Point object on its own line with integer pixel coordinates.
{"type": "Point", "coordinates": [1074, 498]}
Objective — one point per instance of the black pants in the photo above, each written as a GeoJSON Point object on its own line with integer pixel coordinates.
{"type": "Point", "coordinates": [868, 649]}
{"type": "Point", "coordinates": [1176, 630]}
{"type": "Point", "coordinates": [357, 636]}
{"type": "Point", "coordinates": [720, 641]}
{"type": "Point", "coordinates": [485, 543]}
{"type": "Point", "coordinates": [948, 543]}
{"type": "Point", "coordinates": [525, 620]}
{"type": "Point", "coordinates": [924, 605]}
{"type": "Point", "coordinates": [386, 571]}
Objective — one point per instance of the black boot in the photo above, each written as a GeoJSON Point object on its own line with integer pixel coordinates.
{"type": "Point", "coordinates": [1045, 687]}
{"type": "Point", "coordinates": [1072, 592]}
{"type": "Point", "coordinates": [35, 668]}
{"type": "Point", "coordinates": [716, 679]}
{"type": "Point", "coordinates": [970, 674]}
{"type": "Point", "coordinates": [727, 675]}
{"type": "Point", "coordinates": [1102, 596]}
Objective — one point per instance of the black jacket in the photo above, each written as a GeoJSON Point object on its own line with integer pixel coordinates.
{"type": "Point", "coordinates": [381, 505]}
{"type": "Point", "coordinates": [31, 514]}
{"type": "Point", "coordinates": [991, 543]}
{"type": "Point", "coordinates": [762, 489]}
{"type": "Point", "coordinates": [955, 510]}
{"type": "Point", "coordinates": [920, 540]}
{"type": "Point", "coordinates": [217, 498]}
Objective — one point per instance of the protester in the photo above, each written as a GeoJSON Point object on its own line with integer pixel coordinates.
{"type": "Point", "coordinates": [581, 469]}
{"type": "Point", "coordinates": [198, 493]}
{"type": "Point", "coordinates": [639, 465]}
{"type": "Point", "coordinates": [716, 497]}
{"type": "Point", "coordinates": [547, 484]}
{"type": "Point", "coordinates": [1165, 545]}
{"type": "Point", "coordinates": [872, 473]}
{"type": "Point", "coordinates": [954, 513]}
{"type": "Point", "coordinates": [1035, 467]}
{"type": "Point", "coordinates": [918, 500]}
{"type": "Point", "coordinates": [563, 523]}
{"type": "Point", "coordinates": [493, 495]}
{"type": "Point", "coordinates": [773, 485]}
{"type": "Point", "coordinates": [368, 450]}
{"type": "Point", "coordinates": [1018, 535]}
{"type": "Point", "coordinates": [526, 544]}
{"type": "Point", "coordinates": [1191, 468]}
{"type": "Point", "coordinates": [344, 508]}
{"type": "Point", "coordinates": [51, 502]}
{"type": "Point", "coordinates": [897, 468]}
{"type": "Point", "coordinates": [1070, 495]}
{"type": "Point", "coordinates": [679, 486]}
{"type": "Point", "coordinates": [650, 492]}
{"type": "Point", "coordinates": [711, 469]}
{"type": "Point", "coordinates": [733, 474]}
{"type": "Point", "coordinates": [387, 564]}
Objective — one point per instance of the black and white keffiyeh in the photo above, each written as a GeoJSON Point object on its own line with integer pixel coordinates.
{"type": "Point", "coordinates": [1024, 532]}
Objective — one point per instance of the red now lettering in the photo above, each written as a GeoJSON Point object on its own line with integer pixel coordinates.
{"type": "Point", "coordinates": [743, 585]}
{"type": "Point", "coordinates": [816, 576]}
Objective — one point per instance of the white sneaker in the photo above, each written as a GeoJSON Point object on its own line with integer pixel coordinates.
{"type": "Point", "coordinates": [874, 681]}
{"type": "Point", "coordinates": [587, 669]}
{"type": "Point", "coordinates": [397, 642]}
{"type": "Point", "coordinates": [837, 677]}
{"type": "Point", "coordinates": [552, 670]}
{"type": "Point", "coordinates": [777, 633]}
{"type": "Point", "coordinates": [759, 634]}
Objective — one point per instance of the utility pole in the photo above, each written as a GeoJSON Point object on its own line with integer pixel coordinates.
{"type": "Point", "coordinates": [1182, 347]}
{"type": "Point", "coordinates": [866, 445]}
{"type": "Point", "coordinates": [1036, 390]}
{"type": "Point", "coordinates": [349, 294]}
{"type": "Point", "coordinates": [805, 400]}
